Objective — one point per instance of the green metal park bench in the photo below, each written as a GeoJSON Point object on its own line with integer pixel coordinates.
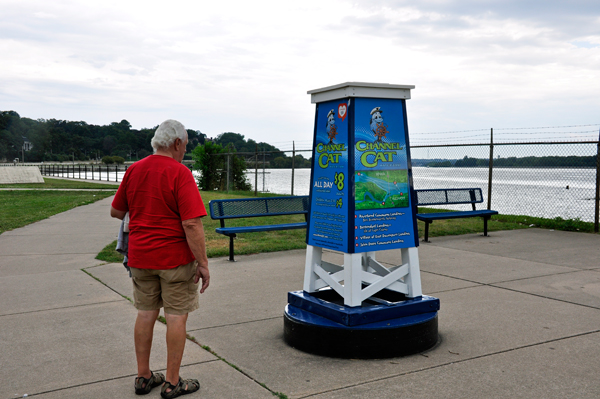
{"type": "Point", "coordinates": [452, 196]}
{"type": "Point", "coordinates": [257, 207]}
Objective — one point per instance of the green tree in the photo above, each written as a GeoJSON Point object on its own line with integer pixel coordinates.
{"type": "Point", "coordinates": [209, 163]}
{"type": "Point", "coordinates": [466, 162]}
{"type": "Point", "coordinates": [237, 171]}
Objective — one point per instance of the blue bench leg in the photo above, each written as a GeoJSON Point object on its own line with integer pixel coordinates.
{"type": "Point", "coordinates": [427, 231]}
{"type": "Point", "coordinates": [485, 220]}
{"type": "Point", "coordinates": [231, 237]}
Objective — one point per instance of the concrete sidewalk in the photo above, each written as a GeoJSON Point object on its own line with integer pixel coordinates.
{"type": "Point", "coordinates": [520, 317]}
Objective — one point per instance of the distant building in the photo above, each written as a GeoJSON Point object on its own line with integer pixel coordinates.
{"type": "Point", "coordinates": [27, 146]}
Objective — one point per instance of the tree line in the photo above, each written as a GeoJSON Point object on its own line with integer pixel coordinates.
{"type": "Point", "coordinates": [60, 140]}
{"type": "Point", "coordinates": [523, 162]}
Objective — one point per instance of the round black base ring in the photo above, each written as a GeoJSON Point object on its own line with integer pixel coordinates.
{"type": "Point", "coordinates": [361, 342]}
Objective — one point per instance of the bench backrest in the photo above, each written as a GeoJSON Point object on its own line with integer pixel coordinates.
{"type": "Point", "coordinates": [448, 196]}
{"type": "Point", "coordinates": [250, 207]}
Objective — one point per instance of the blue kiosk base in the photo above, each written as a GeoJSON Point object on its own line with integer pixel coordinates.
{"type": "Point", "coordinates": [386, 325]}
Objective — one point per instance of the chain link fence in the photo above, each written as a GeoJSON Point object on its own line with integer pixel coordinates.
{"type": "Point", "coordinates": [519, 179]}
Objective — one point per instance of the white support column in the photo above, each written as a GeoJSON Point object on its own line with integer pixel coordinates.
{"type": "Point", "coordinates": [352, 279]}
{"type": "Point", "coordinates": [410, 256]}
{"type": "Point", "coordinates": [313, 257]}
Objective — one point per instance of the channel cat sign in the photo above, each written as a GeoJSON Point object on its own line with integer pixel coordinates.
{"type": "Point", "coordinates": [361, 202]}
{"type": "Point", "coordinates": [361, 191]}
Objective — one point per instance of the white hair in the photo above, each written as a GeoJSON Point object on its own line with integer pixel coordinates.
{"type": "Point", "coordinates": [166, 134]}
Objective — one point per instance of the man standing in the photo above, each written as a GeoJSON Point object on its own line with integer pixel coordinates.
{"type": "Point", "coordinates": [167, 252]}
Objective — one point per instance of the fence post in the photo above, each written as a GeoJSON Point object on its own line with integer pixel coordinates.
{"type": "Point", "coordinates": [228, 156]}
{"type": "Point", "coordinates": [597, 205]}
{"type": "Point", "coordinates": [256, 170]}
{"type": "Point", "coordinates": [293, 163]}
{"type": "Point", "coordinates": [491, 168]}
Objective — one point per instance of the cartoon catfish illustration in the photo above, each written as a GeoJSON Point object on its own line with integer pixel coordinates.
{"type": "Point", "coordinates": [331, 128]}
{"type": "Point", "coordinates": [377, 126]}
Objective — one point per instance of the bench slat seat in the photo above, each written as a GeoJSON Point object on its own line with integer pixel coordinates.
{"type": "Point", "coordinates": [454, 215]}
{"type": "Point", "coordinates": [257, 207]}
{"type": "Point", "coordinates": [452, 196]}
{"type": "Point", "coordinates": [254, 229]}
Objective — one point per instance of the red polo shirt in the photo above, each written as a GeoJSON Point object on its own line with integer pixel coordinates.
{"type": "Point", "coordinates": [159, 194]}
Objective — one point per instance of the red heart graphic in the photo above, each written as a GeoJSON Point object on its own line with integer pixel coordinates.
{"type": "Point", "coordinates": [342, 108]}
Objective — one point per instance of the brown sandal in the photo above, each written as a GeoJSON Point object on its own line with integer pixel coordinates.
{"type": "Point", "coordinates": [143, 386]}
{"type": "Point", "coordinates": [183, 387]}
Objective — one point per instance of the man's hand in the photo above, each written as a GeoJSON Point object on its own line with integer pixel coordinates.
{"type": "Point", "coordinates": [194, 233]}
{"type": "Point", "coordinates": [202, 274]}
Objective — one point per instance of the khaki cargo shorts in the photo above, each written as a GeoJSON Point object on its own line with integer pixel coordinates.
{"type": "Point", "coordinates": [173, 289]}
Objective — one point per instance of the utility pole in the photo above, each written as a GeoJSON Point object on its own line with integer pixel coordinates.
{"type": "Point", "coordinates": [491, 168]}
{"type": "Point", "coordinates": [256, 170]}
{"type": "Point", "coordinates": [293, 163]}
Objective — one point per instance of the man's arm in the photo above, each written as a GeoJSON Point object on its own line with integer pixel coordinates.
{"type": "Point", "coordinates": [117, 213]}
{"type": "Point", "coordinates": [194, 233]}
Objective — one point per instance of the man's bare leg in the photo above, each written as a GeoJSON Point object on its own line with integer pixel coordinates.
{"type": "Point", "coordinates": [144, 329]}
{"type": "Point", "coordinates": [176, 337]}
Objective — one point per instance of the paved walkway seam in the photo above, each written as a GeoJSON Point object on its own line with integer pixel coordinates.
{"type": "Point", "coordinates": [61, 307]}
{"type": "Point", "coordinates": [106, 285]}
{"type": "Point", "coordinates": [546, 297]}
{"type": "Point", "coordinates": [237, 324]}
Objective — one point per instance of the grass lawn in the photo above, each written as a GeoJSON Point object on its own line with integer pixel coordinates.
{"type": "Point", "coordinates": [59, 183]}
{"type": "Point", "coordinates": [20, 208]}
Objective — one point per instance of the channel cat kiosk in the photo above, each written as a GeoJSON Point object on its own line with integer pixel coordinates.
{"type": "Point", "coordinates": [362, 202]}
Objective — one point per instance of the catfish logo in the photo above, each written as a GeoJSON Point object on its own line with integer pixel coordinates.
{"type": "Point", "coordinates": [377, 126]}
{"type": "Point", "coordinates": [331, 128]}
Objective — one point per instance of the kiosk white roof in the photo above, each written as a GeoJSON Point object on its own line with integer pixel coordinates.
{"type": "Point", "coordinates": [360, 89]}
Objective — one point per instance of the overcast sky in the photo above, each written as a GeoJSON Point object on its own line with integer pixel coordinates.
{"type": "Point", "coordinates": [245, 66]}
